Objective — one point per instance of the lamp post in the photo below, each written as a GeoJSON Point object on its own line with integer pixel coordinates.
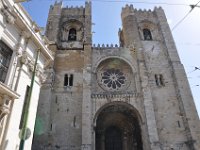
{"type": "Point", "coordinates": [24, 131]}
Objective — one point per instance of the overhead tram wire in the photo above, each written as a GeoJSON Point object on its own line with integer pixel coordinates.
{"type": "Point", "coordinates": [192, 8]}
{"type": "Point", "coordinates": [118, 1]}
{"type": "Point", "coordinates": [137, 2]}
{"type": "Point", "coordinates": [144, 2]}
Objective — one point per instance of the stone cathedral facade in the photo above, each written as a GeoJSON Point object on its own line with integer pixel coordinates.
{"type": "Point", "coordinates": [134, 96]}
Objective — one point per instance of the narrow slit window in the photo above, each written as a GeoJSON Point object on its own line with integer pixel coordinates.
{"type": "Point", "coordinates": [66, 82]}
{"type": "Point", "coordinates": [71, 80]}
{"type": "Point", "coordinates": [156, 79]}
{"type": "Point", "coordinates": [162, 80]}
{"type": "Point", "coordinates": [74, 121]}
{"type": "Point", "coordinates": [51, 127]}
{"type": "Point", "coordinates": [179, 125]}
{"type": "Point", "coordinates": [147, 34]}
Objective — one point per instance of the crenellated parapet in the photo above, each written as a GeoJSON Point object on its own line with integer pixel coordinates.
{"type": "Point", "coordinates": [71, 12]}
{"type": "Point", "coordinates": [127, 10]}
{"type": "Point", "coordinates": [140, 14]}
{"type": "Point", "coordinates": [78, 10]}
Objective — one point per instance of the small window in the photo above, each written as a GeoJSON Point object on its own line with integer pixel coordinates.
{"type": "Point", "coordinates": [147, 34]}
{"type": "Point", "coordinates": [159, 80]}
{"type": "Point", "coordinates": [71, 80]}
{"type": "Point", "coordinates": [68, 80]}
{"type": "Point", "coordinates": [72, 35]}
{"type": "Point", "coordinates": [156, 79]}
{"type": "Point", "coordinates": [5, 57]}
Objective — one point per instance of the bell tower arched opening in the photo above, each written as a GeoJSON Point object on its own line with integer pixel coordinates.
{"type": "Point", "coordinates": [118, 128]}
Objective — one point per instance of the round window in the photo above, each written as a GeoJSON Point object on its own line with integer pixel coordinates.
{"type": "Point", "coordinates": [114, 76]}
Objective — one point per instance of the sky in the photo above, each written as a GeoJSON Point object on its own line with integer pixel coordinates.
{"type": "Point", "coordinates": [106, 17]}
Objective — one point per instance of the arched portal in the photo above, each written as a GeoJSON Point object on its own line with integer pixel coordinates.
{"type": "Point", "coordinates": [118, 128]}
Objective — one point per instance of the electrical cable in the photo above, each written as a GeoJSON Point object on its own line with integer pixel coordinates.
{"type": "Point", "coordinates": [192, 8]}
{"type": "Point", "coordinates": [118, 1]}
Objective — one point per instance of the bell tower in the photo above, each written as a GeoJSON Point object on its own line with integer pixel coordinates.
{"type": "Point", "coordinates": [65, 96]}
{"type": "Point", "coordinates": [69, 27]}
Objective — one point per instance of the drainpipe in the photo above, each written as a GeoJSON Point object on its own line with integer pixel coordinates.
{"type": "Point", "coordinates": [26, 115]}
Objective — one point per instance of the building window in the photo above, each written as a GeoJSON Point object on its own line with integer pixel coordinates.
{"type": "Point", "coordinates": [24, 107]}
{"type": "Point", "coordinates": [72, 35]}
{"type": "Point", "coordinates": [159, 80]}
{"type": "Point", "coordinates": [68, 80]}
{"type": "Point", "coordinates": [147, 34]}
{"type": "Point", "coordinates": [5, 57]}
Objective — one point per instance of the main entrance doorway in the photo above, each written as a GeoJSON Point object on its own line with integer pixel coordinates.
{"type": "Point", "coordinates": [117, 128]}
{"type": "Point", "coordinates": [113, 138]}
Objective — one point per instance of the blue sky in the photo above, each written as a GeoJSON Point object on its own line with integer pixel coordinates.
{"type": "Point", "coordinates": [107, 19]}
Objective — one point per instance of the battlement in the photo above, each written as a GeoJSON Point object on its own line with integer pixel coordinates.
{"type": "Point", "coordinates": [73, 10]}
{"type": "Point", "coordinates": [145, 11]}
{"type": "Point", "coordinates": [127, 10]}
{"type": "Point", "coordinates": [158, 8]}
{"type": "Point", "coordinates": [58, 7]}
{"type": "Point", "coordinates": [130, 10]}
{"type": "Point", "coordinates": [105, 46]}
{"type": "Point", "coordinates": [76, 7]}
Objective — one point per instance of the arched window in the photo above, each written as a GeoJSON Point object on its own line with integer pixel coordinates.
{"type": "Point", "coordinates": [72, 35]}
{"type": "Point", "coordinates": [147, 34]}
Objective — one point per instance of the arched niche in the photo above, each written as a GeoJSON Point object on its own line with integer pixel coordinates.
{"type": "Point", "coordinates": [69, 27]}
{"type": "Point", "coordinates": [152, 29]}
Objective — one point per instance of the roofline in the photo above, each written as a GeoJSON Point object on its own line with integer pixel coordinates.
{"type": "Point", "coordinates": [41, 41]}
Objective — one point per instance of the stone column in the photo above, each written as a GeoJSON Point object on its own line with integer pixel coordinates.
{"type": "Point", "coordinates": [16, 54]}
{"type": "Point", "coordinates": [125, 141]}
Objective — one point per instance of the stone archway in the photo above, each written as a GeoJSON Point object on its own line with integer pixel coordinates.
{"type": "Point", "coordinates": [117, 128]}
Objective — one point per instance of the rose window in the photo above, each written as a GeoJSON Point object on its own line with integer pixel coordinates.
{"type": "Point", "coordinates": [113, 78]}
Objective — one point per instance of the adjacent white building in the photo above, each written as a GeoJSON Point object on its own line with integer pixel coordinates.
{"type": "Point", "coordinates": [20, 43]}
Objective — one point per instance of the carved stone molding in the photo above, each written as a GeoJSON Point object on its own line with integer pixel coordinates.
{"type": "Point", "coordinates": [7, 13]}
{"type": "Point", "coordinates": [25, 60]}
{"type": "Point", "coordinates": [110, 95]}
{"type": "Point", "coordinates": [114, 97]}
{"type": "Point", "coordinates": [4, 107]}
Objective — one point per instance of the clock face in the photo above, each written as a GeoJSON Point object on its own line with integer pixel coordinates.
{"type": "Point", "coordinates": [113, 77]}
